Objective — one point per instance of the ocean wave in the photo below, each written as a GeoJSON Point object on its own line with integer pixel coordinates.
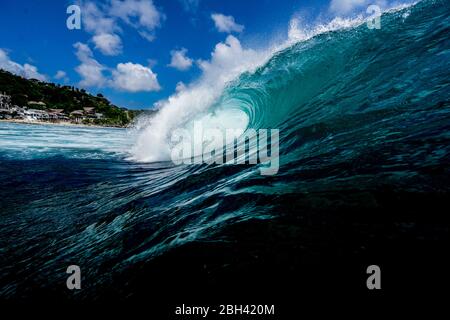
{"type": "Point", "coordinates": [234, 90]}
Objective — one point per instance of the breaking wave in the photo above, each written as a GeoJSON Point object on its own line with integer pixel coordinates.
{"type": "Point", "coordinates": [364, 120]}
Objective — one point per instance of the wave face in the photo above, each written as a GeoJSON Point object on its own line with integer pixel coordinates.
{"type": "Point", "coordinates": [361, 112]}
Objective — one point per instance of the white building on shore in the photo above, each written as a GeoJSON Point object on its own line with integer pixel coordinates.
{"type": "Point", "coordinates": [36, 115]}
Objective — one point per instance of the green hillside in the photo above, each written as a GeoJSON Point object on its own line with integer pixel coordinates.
{"type": "Point", "coordinates": [55, 96]}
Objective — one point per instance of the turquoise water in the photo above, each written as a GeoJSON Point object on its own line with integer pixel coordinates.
{"type": "Point", "coordinates": [364, 119]}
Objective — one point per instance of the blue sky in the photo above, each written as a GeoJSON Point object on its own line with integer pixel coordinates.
{"type": "Point", "coordinates": [135, 52]}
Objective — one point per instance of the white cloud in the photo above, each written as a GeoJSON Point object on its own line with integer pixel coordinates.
{"type": "Point", "coordinates": [137, 13]}
{"type": "Point", "coordinates": [26, 70]}
{"type": "Point", "coordinates": [61, 75]}
{"type": "Point", "coordinates": [133, 77]}
{"type": "Point", "coordinates": [102, 19]}
{"type": "Point", "coordinates": [128, 76]}
{"type": "Point", "coordinates": [226, 23]}
{"type": "Point", "coordinates": [147, 35]}
{"type": "Point", "coordinates": [90, 70]}
{"type": "Point", "coordinates": [179, 60]}
{"type": "Point", "coordinates": [180, 86]}
{"type": "Point", "coordinates": [108, 44]}
{"type": "Point", "coordinates": [228, 60]}
{"type": "Point", "coordinates": [96, 21]}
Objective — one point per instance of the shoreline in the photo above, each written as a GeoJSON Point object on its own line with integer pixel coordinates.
{"type": "Point", "coordinates": [60, 124]}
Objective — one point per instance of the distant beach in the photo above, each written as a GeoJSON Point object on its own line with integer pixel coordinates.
{"type": "Point", "coordinates": [63, 124]}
